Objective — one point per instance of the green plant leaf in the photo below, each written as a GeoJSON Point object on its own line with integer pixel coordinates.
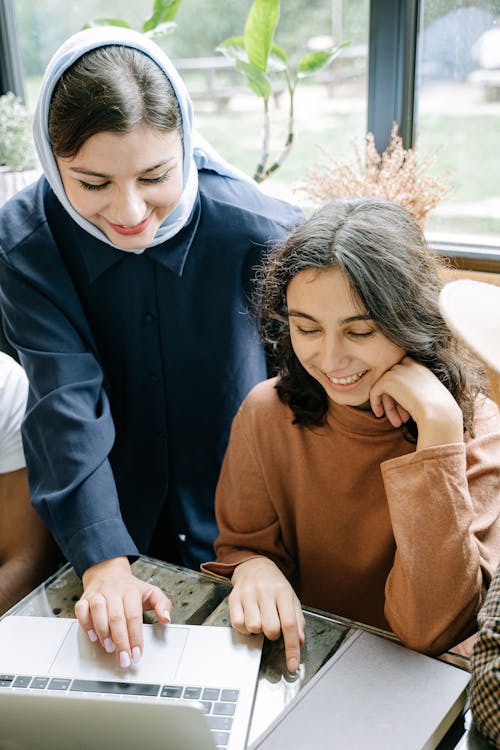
{"type": "Point", "coordinates": [256, 79]}
{"type": "Point", "coordinates": [277, 61]}
{"type": "Point", "coordinates": [233, 48]}
{"type": "Point", "coordinates": [317, 60]}
{"type": "Point", "coordinates": [259, 31]}
{"type": "Point", "coordinates": [163, 12]}
{"type": "Point", "coordinates": [106, 22]}
{"type": "Point", "coordinates": [161, 30]}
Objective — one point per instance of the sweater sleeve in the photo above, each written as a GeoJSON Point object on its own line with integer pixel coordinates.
{"type": "Point", "coordinates": [444, 504]}
{"type": "Point", "coordinates": [247, 519]}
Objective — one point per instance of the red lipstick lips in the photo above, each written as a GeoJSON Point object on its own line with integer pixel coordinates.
{"type": "Point", "coordinates": [137, 229]}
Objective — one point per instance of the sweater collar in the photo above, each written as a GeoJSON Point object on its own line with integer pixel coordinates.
{"type": "Point", "coordinates": [359, 421]}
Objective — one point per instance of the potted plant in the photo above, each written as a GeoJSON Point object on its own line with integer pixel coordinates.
{"type": "Point", "coordinates": [259, 59]}
{"type": "Point", "coordinates": [396, 175]}
{"type": "Point", "coordinates": [17, 152]}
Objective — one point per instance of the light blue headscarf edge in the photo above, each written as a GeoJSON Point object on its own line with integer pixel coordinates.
{"type": "Point", "coordinates": [198, 154]}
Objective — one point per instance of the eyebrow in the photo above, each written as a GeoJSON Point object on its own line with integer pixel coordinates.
{"type": "Point", "coordinates": [91, 173]}
{"type": "Point", "coordinates": [343, 321]}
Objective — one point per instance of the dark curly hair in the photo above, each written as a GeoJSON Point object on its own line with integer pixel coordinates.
{"type": "Point", "coordinates": [385, 258]}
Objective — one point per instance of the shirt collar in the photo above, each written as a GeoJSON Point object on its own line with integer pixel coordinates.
{"type": "Point", "coordinates": [98, 257]}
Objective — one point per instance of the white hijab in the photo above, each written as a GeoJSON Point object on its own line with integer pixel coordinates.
{"type": "Point", "coordinates": [198, 154]}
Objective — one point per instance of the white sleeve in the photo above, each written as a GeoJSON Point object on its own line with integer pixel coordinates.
{"type": "Point", "coordinates": [13, 395]}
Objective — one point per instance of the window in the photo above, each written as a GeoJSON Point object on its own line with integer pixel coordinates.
{"type": "Point", "coordinates": [330, 109]}
{"type": "Point", "coordinates": [431, 65]}
{"type": "Point", "coordinates": [458, 113]}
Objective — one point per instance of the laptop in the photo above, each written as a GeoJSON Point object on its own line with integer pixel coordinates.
{"type": "Point", "coordinates": [372, 693]}
{"type": "Point", "coordinates": [192, 690]}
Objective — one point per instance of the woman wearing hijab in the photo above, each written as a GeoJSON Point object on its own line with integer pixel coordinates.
{"type": "Point", "coordinates": [125, 273]}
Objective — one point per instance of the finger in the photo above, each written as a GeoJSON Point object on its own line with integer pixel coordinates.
{"type": "Point", "coordinates": [376, 403]}
{"type": "Point", "coordinates": [132, 607]}
{"type": "Point", "coordinates": [236, 613]}
{"type": "Point", "coordinates": [118, 630]}
{"type": "Point", "coordinates": [271, 622]}
{"type": "Point", "coordinates": [390, 410]}
{"type": "Point", "coordinates": [403, 414]}
{"type": "Point", "coordinates": [302, 624]}
{"type": "Point", "coordinates": [156, 600]}
{"type": "Point", "coordinates": [99, 616]}
{"type": "Point", "coordinates": [291, 637]}
{"type": "Point", "coordinates": [252, 621]}
{"type": "Point", "coordinates": [82, 612]}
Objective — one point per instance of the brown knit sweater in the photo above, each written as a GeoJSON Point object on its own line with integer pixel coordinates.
{"type": "Point", "coordinates": [362, 525]}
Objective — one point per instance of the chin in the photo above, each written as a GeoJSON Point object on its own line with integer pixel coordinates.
{"type": "Point", "coordinates": [132, 242]}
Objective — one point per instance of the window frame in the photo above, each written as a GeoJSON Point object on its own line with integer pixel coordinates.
{"type": "Point", "coordinates": [11, 69]}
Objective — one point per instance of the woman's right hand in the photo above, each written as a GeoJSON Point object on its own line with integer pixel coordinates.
{"type": "Point", "coordinates": [111, 606]}
{"type": "Point", "coordinates": [263, 601]}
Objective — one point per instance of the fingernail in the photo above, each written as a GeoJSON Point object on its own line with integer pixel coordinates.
{"type": "Point", "coordinates": [124, 659]}
{"type": "Point", "coordinates": [136, 654]}
{"type": "Point", "coordinates": [166, 615]}
{"type": "Point", "coordinates": [109, 645]}
{"type": "Point", "coordinates": [92, 635]}
{"type": "Point", "coordinates": [293, 665]}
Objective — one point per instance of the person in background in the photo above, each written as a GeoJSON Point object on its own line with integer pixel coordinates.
{"type": "Point", "coordinates": [27, 551]}
{"type": "Point", "coordinates": [365, 479]}
{"type": "Point", "coordinates": [125, 274]}
{"type": "Point", "coordinates": [472, 311]}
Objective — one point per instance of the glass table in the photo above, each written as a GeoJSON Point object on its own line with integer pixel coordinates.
{"type": "Point", "coordinates": [200, 599]}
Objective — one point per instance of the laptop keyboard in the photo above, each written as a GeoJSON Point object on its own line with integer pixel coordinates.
{"type": "Point", "coordinates": [218, 704]}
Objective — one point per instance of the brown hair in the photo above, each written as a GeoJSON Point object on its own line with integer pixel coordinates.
{"type": "Point", "coordinates": [113, 88]}
{"type": "Point", "coordinates": [385, 258]}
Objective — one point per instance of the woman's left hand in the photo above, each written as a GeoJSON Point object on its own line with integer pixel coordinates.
{"type": "Point", "coordinates": [409, 389]}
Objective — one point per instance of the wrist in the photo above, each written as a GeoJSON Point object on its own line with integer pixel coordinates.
{"type": "Point", "coordinates": [106, 567]}
{"type": "Point", "coordinates": [440, 428]}
{"type": "Point", "coordinates": [254, 564]}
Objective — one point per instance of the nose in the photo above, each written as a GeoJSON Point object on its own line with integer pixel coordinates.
{"type": "Point", "coordinates": [333, 354]}
{"type": "Point", "coordinates": [128, 207]}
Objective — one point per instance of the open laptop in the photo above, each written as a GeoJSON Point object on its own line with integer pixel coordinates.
{"type": "Point", "coordinates": [372, 693]}
{"type": "Point", "coordinates": [192, 690]}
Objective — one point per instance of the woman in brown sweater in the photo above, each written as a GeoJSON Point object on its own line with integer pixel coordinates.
{"type": "Point", "coordinates": [365, 479]}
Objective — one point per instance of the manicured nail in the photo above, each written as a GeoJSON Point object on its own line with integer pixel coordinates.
{"type": "Point", "coordinates": [124, 659]}
{"type": "Point", "coordinates": [109, 645]}
{"type": "Point", "coordinates": [136, 654]}
{"type": "Point", "coordinates": [92, 635]}
{"type": "Point", "coordinates": [166, 615]}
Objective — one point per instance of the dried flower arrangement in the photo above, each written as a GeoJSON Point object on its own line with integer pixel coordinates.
{"type": "Point", "coordinates": [394, 175]}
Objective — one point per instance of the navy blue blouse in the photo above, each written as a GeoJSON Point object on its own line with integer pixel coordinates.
{"type": "Point", "coordinates": [137, 365]}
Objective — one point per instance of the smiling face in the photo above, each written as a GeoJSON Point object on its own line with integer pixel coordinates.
{"type": "Point", "coordinates": [125, 184]}
{"type": "Point", "coordinates": [334, 339]}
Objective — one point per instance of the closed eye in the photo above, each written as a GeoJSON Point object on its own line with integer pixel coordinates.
{"type": "Point", "coordinates": [155, 180]}
{"type": "Point", "coordinates": [360, 335]}
{"type": "Point", "coordinates": [307, 331]}
{"type": "Point", "coordinates": [91, 186]}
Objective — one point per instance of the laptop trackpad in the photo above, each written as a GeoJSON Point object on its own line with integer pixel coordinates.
{"type": "Point", "coordinates": [163, 647]}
